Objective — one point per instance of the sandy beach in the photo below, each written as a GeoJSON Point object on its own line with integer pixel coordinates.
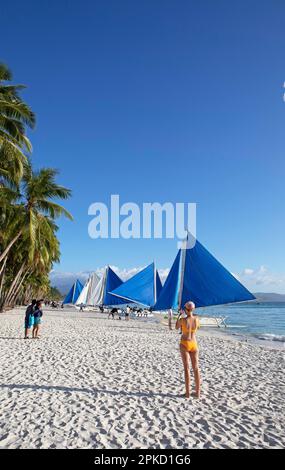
{"type": "Point", "coordinates": [90, 382]}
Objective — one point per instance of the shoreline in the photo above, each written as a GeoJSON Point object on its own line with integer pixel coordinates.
{"type": "Point", "coordinates": [90, 382]}
{"type": "Point", "coordinates": [227, 334]}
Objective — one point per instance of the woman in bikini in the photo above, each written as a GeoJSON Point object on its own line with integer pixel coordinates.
{"type": "Point", "coordinates": [189, 347]}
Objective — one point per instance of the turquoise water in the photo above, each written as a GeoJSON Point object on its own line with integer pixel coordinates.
{"type": "Point", "coordinates": [263, 320]}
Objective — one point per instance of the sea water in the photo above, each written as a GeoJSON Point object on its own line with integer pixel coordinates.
{"type": "Point", "coordinates": [264, 320]}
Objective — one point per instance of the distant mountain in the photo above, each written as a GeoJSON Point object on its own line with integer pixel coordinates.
{"type": "Point", "coordinates": [269, 297]}
{"type": "Point", "coordinates": [64, 280]}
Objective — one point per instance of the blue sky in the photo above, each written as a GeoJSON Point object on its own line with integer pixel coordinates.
{"type": "Point", "coordinates": [160, 101]}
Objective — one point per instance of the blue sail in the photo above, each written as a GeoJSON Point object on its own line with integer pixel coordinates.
{"type": "Point", "coordinates": [112, 282]}
{"type": "Point", "coordinates": [140, 288]}
{"type": "Point", "coordinates": [74, 293]}
{"type": "Point", "coordinates": [196, 275]}
{"type": "Point", "coordinates": [158, 285]}
{"type": "Point", "coordinates": [168, 297]}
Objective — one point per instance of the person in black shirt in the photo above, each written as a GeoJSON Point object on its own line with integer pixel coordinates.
{"type": "Point", "coordinates": [112, 313]}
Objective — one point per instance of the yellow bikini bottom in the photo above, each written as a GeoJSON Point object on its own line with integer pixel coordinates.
{"type": "Point", "coordinates": [189, 344]}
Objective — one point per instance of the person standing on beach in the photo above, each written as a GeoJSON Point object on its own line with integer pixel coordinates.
{"type": "Point", "coordinates": [127, 314]}
{"type": "Point", "coordinates": [29, 317]}
{"type": "Point", "coordinates": [38, 313]}
{"type": "Point", "coordinates": [188, 346]}
{"type": "Point", "coordinates": [170, 316]}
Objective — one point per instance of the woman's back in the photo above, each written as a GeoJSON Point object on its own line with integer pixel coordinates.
{"type": "Point", "coordinates": [189, 326]}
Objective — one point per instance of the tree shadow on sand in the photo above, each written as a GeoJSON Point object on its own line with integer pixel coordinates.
{"type": "Point", "coordinates": [11, 337]}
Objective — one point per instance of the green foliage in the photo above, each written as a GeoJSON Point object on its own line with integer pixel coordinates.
{"type": "Point", "coordinates": [54, 294]}
{"type": "Point", "coordinates": [15, 117]}
{"type": "Point", "coordinates": [28, 205]}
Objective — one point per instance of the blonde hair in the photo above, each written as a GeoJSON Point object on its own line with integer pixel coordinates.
{"type": "Point", "coordinates": [190, 303]}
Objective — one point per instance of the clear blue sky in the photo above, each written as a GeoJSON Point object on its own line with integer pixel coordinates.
{"type": "Point", "coordinates": [160, 101]}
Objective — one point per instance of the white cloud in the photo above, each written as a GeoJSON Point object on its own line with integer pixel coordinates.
{"type": "Point", "coordinates": [264, 277]}
{"type": "Point", "coordinates": [248, 271]}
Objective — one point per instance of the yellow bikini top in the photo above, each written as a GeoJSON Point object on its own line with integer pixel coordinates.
{"type": "Point", "coordinates": [186, 330]}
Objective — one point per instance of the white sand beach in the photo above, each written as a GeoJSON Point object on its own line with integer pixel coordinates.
{"type": "Point", "coordinates": [90, 382]}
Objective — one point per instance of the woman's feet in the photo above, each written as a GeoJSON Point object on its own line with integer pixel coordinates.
{"type": "Point", "coordinates": [194, 395]}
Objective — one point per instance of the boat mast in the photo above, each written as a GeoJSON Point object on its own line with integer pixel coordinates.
{"type": "Point", "coordinates": [154, 268]}
{"type": "Point", "coordinates": [182, 270]}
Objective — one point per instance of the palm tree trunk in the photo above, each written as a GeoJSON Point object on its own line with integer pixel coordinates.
{"type": "Point", "coordinates": [8, 248]}
{"type": "Point", "coordinates": [14, 295]}
{"type": "Point", "coordinates": [2, 276]}
{"type": "Point", "coordinates": [3, 266]}
{"type": "Point", "coordinates": [27, 295]}
{"type": "Point", "coordinates": [14, 283]}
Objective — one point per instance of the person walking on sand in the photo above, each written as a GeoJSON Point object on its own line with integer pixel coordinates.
{"type": "Point", "coordinates": [189, 324]}
{"type": "Point", "coordinates": [170, 316]}
{"type": "Point", "coordinates": [38, 313]}
{"type": "Point", "coordinates": [29, 317]}
{"type": "Point", "coordinates": [127, 314]}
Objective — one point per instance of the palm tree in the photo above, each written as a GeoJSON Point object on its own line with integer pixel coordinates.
{"type": "Point", "coordinates": [38, 190]}
{"type": "Point", "coordinates": [29, 204]}
{"type": "Point", "coordinates": [26, 269]}
{"type": "Point", "coordinates": [15, 117]}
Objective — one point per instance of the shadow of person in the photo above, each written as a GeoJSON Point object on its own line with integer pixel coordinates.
{"type": "Point", "coordinates": [61, 388]}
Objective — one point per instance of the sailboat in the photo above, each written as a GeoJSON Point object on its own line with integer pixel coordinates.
{"type": "Point", "coordinates": [198, 276]}
{"type": "Point", "coordinates": [87, 293]}
{"type": "Point", "coordinates": [143, 288]}
{"type": "Point", "coordinates": [101, 295]}
{"type": "Point", "coordinates": [74, 293]}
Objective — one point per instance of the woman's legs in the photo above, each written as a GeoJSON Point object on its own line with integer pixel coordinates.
{"type": "Point", "coordinates": [195, 366]}
{"type": "Point", "coordinates": [35, 331]}
{"type": "Point", "coordinates": [186, 365]}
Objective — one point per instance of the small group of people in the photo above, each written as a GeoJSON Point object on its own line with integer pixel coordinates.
{"type": "Point", "coordinates": [33, 318]}
{"type": "Point", "coordinates": [115, 311]}
{"type": "Point", "coordinates": [187, 323]}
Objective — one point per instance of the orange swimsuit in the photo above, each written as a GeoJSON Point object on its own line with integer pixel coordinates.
{"type": "Point", "coordinates": [189, 344]}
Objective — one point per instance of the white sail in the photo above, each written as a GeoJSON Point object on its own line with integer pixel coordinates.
{"type": "Point", "coordinates": [87, 294]}
{"type": "Point", "coordinates": [83, 295]}
{"type": "Point", "coordinates": [98, 292]}
{"type": "Point", "coordinates": [93, 282]}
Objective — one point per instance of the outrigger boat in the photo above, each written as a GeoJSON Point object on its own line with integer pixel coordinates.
{"type": "Point", "coordinates": [218, 322]}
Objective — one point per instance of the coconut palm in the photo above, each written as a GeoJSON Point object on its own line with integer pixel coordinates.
{"type": "Point", "coordinates": [29, 204]}
{"type": "Point", "coordinates": [28, 232]}
{"type": "Point", "coordinates": [15, 117]}
{"type": "Point", "coordinates": [38, 189]}
{"type": "Point", "coordinates": [24, 269]}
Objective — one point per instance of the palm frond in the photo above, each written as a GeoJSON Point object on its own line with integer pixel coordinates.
{"type": "Point", "coordinates": [52, 209]}
{"type": "Point", "coordinates": [5, 73]}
